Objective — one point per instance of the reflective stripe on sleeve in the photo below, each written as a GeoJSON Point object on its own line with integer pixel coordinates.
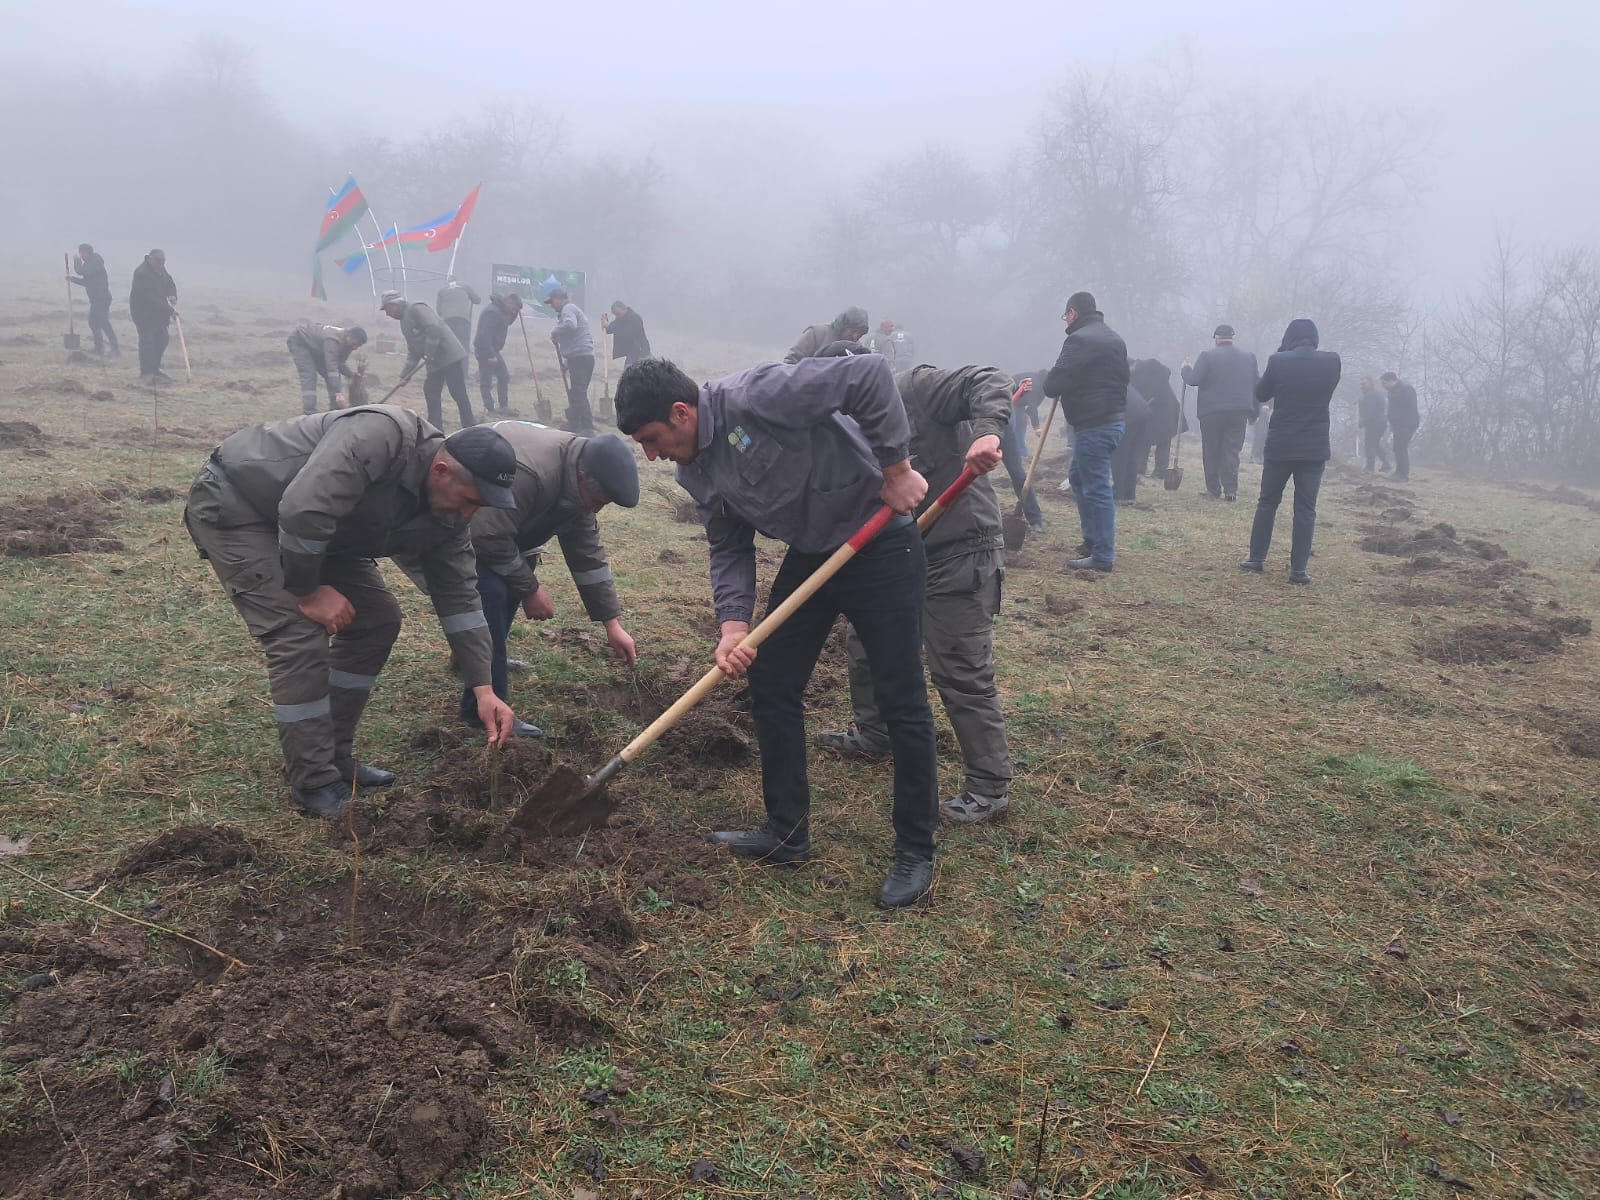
{"type": "Point", "coordinates": [598, 575]}
{"type": "Point", "coordinates": [344, 679]}
{"type": "Point", "coordinates": [300, 545]}
{"type": "Point", "coordinates": [461, 622]}
{"type": "Point", "coordinates": [288, 714]}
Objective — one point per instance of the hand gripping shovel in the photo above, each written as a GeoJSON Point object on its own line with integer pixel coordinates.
{"type": "Point", "coordinates": [567, 802]}
{"type": "Point", "coordinates": [1014, 526]}
{"type": "Point", "coordinates": [69, 339]}
{"type": "Point", "coordinates": [1174, 477]}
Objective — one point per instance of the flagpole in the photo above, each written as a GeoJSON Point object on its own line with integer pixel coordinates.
{"type": "Point", "coordinates": [451, 269]}
{"type": "Point", "coordinates": [370, 275]}
{"type": "Point", "coordinates": [378, 230]}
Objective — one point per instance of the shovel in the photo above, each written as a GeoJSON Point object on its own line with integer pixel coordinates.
{"type": "Point", "coordinates": [182, 343]}
{"type": "Point", "coordinates": [404, 379]}
{"type": "Point", "coordinates": [1174, 477]}
{"type": "Point", "coordinates": [1014, 526]}
{"type": "Point", "coordinates": [540, 402]}
{"type": "Point", "coordinates": [69, 339]}
{"type": "Point", "coordinates": [565, 799]}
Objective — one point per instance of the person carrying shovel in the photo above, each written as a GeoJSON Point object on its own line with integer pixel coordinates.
{"type": "Point", "coordinates": [765, 449]}
{"type": "Point", "coordinates": [959, 417]}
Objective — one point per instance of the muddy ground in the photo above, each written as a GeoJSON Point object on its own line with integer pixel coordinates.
{"type": "Point", "coordinates": [72, 522]}
{"type": "Point", "coordinates": [345, 1041]}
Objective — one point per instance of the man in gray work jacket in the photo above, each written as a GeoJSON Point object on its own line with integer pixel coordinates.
{"type": "Point", "coordinates": [323, 352]}
{"type": "Point", "coordinates": [957, 420]}
{"type": "Point", "coordinates": [1224, 379]}
{"type": "Point", "coordinates": [770, 449]}
{"type": "Point", "coordinates": [429, 340]}
{"type": "Point", "coordinates": [562, 481]}
{"type": "Point", "coordinates": [575, 344]}
{"type": "Point", "coordinates": [290, 515]}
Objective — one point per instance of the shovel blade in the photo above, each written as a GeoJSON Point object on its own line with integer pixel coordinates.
{"type": "Point", "coordinates": [565, 804]}
{"type": "Point", "coordinates": [70, 341]}
{"type": "Point", "coordinates": [1174, 479]}
{"type": "Point", "coordinates": [1014, 530]}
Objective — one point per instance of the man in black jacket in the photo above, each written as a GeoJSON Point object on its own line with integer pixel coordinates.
{"type": "Point", "coordinates": [152, 302]}
{"type": "Point", "coordinates": [488, 344]}
{"type": "Point", "coordinates": [91, 277]}
{"type": "Point", "coordinates": [1372, 414]}
{"type": "Point", "coordinates": [1224, 379]}
{"type": "Point", "coordinates": [1404, 419]}
{"type": "Point", "coordinates": [1152, 379]}
{"type": "Point", "coordinates": [1299, 381]}
{"type": "Point", "coordinates": [626, 327]}
{"type": "Point", "coordinates": [1091, 378]}
{"type": "Point", "coordinates": [1127, 463]}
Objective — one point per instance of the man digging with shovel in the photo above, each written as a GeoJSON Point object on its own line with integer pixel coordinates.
{"type": "Point", "coordinates": [766, 449]}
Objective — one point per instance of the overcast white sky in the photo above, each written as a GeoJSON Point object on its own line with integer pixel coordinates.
{"type": "Point", "coordinates": [1514, 88]}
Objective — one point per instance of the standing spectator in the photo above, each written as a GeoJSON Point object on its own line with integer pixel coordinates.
{"type": "Point", "coordinates": [1091, 378]}
{"type": "Point", "coordinates": [152, 303]}
{"type": "Point", "coordinates": [1128, 461]}
{"type": "Point", "coordinates": [1152, 378]}
{"type": "Point", "coordinates": [1299, 381]}
{"type": "Point", "coordinates": [894, 343]}
{"type": "Point", "coordinates": [848, 326]}
{"type": "Point", "coordinates": [323, 352]}
{"type": "Point", "coordinates": [1014, 446]}
{"type": "Point", "coordinates": [488, 345]}
{"type": "Point", "coordinates": [91, 277]}
{"type": "Point", "coordinates": [1372, 414]}
{"type": "Point", "coordinates": [454, 304]}
{"type": "Point", "coordinates": [575, 343]}
{"type": "Point", "coordinates": [428, 339]}
{"type": "Point", "coordinates": [1404, 420]}
{"type": "Point", "coordinates": [626, 327]}
{"type": "Point", "coordinates": [1224, 379]}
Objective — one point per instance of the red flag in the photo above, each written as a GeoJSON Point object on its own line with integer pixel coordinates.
{"type": "Point", "coordinates": [446, 235]}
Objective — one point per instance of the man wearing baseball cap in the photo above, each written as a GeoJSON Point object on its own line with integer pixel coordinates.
{"type": "Point", "coordinates": [575, 346]}
{"type": "Point", "coordinates": [291, 515]}
{"type": "Point", "coordinates": [562, 481]}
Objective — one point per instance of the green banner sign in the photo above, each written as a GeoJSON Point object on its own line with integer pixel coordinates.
{"type": "Point", "coordinates": [534, 283]}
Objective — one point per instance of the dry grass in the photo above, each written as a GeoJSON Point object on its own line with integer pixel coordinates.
{"type": "Point", "coordinates": [1282, 907]}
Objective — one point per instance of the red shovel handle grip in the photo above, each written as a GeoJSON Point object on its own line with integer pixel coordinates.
{"type": "Point", "coordinates": [950, 495]}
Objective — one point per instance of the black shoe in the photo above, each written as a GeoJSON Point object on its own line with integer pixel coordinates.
{"type": "Point", "coordinates": [1229, 496]}
{"type": "Point", "coordinates": [1036, 526]}
{"type": "Point", "coordinates": [1253, 566]}
{"type": "Point", "coordinates": [910, 879]}
{"type": "Point", "coordinates": [525, 729]}
{"type": "Point", "coordinates": [366, 775]}
{"type": "Point", "coordinates": [850, 743]}
{"type": "Point", "coordinates": [328, 801]}
{"type": "Point", "coordinates": [1089, 564]}
{"type": "Point", "coordinates": [1082, 550]}
{"type": "Point", "coordinates": [1211, 495]}
{"type": "Point", "coordinates": [1299, 577]}
{"type": "Point", "coordinates": [162, 377]}
{"type": "Point", "coordinates": [764, 846]}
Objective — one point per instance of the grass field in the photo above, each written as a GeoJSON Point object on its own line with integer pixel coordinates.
{"type": "Point", "coordinates": [1297, 896]}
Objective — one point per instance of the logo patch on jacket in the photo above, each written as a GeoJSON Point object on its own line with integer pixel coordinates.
{"type": "Point", "coordinates": [739, 439]}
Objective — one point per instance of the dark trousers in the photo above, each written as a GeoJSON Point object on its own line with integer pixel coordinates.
{"type": "Point", "coordinates": [1402, 451]}
{"type": "Point", "coordinates": [462, 328]}
{"type": "Point", "coordinates": [500, 605]}
{"type": "Point", "coordinates": [1014, 454]}
{"type": "Point", "coordinates": [455, 378]}
{"type": "Point", "coordinates": [881, 592]}
{"type": "Point", "coordinates": [1307, 478]}
{"type": "Point", "coordinates": [1372, 446]}
{"type": "Point", "coordinates": [1221, 439]}
{"type": "Point", "coordinates": [1127, 463]}
{"type": "Point", "coordinates": [580, 418]}
{"type": "Point", "coordinates": [493, 378]}
{"type": "Point", "coordinates": [100, 325]}
{"type": "Point", "coordinates": [153, 341]}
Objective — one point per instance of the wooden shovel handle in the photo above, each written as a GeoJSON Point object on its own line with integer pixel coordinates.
{"type": "Point", "coordinates": [1027, 484]}
{"type": "Point", "coordinates": [404, 379]}
{"type": "Point", "coordinates": [702, 688]}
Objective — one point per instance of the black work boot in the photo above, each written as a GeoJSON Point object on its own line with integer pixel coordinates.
{"type": "Point", "coordinates": [765, 846]}
{"type": "Point", "coordinates": [853, 743]}
{"type": "Point", "coordinates": [910, 879]}
{"type": "Point", "coordinates": [329, 801]}
{"type": "Point", "coordinates": [365, 774]}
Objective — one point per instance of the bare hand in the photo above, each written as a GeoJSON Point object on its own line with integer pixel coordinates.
{"type": "Point", "coordinates": [328, 608]}
{"type": "Point", "coordinates": [903, 488]}
{"type": "Point", "coordinates": [1023, 389]}
{"type": "Point", "coordinates": [495, 714]}
{"type": "Point", "coordinates": [338, 400]}
{"type": "Point", "coordinates": [984, 455]}
{"type": "Point", "coordinates": [605, 321]}
{"type": "Point", "coordinates": [733, 658]}
{"type": "Point", "coordinates": [1186, 365]}
{"type": "Point", "coordinates": [538, 605]}
{"type": "Point", "coordinates": [620, 642]}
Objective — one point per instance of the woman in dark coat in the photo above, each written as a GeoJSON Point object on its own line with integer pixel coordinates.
{"type": "Point", "coordinates": [1299, 382]}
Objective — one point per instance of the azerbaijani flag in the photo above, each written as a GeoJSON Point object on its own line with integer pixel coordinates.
{"type": "Point", "coordinates": [444, 237]}
{"type": "Point", "coordinates": [345, 208]}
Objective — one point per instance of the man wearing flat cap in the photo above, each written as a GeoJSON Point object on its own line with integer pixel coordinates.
{"type": "Point", "coordinates": [562, 480]}
{"type": "Point", "coordinates": [291, 515]}
{"type": "Point", "coordinates": [575, 345]}
{"type": "Point", "coordinates": [1224, 379]}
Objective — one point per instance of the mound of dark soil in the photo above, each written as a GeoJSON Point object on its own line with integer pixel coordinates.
{"type": "Point", "coordinates": [102, 395]}
{"type": "Point", "coordinates": [1482, 643]}
{"type": "Point", "coordinates": [211, 848]}
{"type": "Point", "coordinates": [20, 435]}
{"type": "Point", "coordinates": [1379, 496]}
{"type": "Point", "coordinates": [1439, 538]}
{"type": "Point", "coordinates": [64, 386]}
{"type": "Point", "coordinates": [1576, 733]}
{"type": "Point", "coordinates": [341, 1061]}
{"type": "Point", "coordinates": [246, 386]}
{"type": "Point", "coordinates": [157, 495]}
{"type": "Point", "coordinates": [67, 523]}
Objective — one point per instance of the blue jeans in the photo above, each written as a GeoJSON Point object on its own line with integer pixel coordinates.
{"type": "Point", "coordinates": [1307, 478]}
{"type": "Point", "coordinates": [1090, 477]}
{"type": "Point", "coordinates": [881, 591]}
{"type": "Point", "coordinates": [1013, 452]}
{"type": "Point", "coordinates": [500, 605]}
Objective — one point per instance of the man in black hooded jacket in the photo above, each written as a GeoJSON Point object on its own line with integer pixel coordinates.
{"type": "Point", "coordinates": [1152, 379]}
{"type": "Point", "coordinates": [1299, 382]}
{"type": "Point", "coordinates": [487, 346]}
{"type": "Point", "coordinates": [92, 278]}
